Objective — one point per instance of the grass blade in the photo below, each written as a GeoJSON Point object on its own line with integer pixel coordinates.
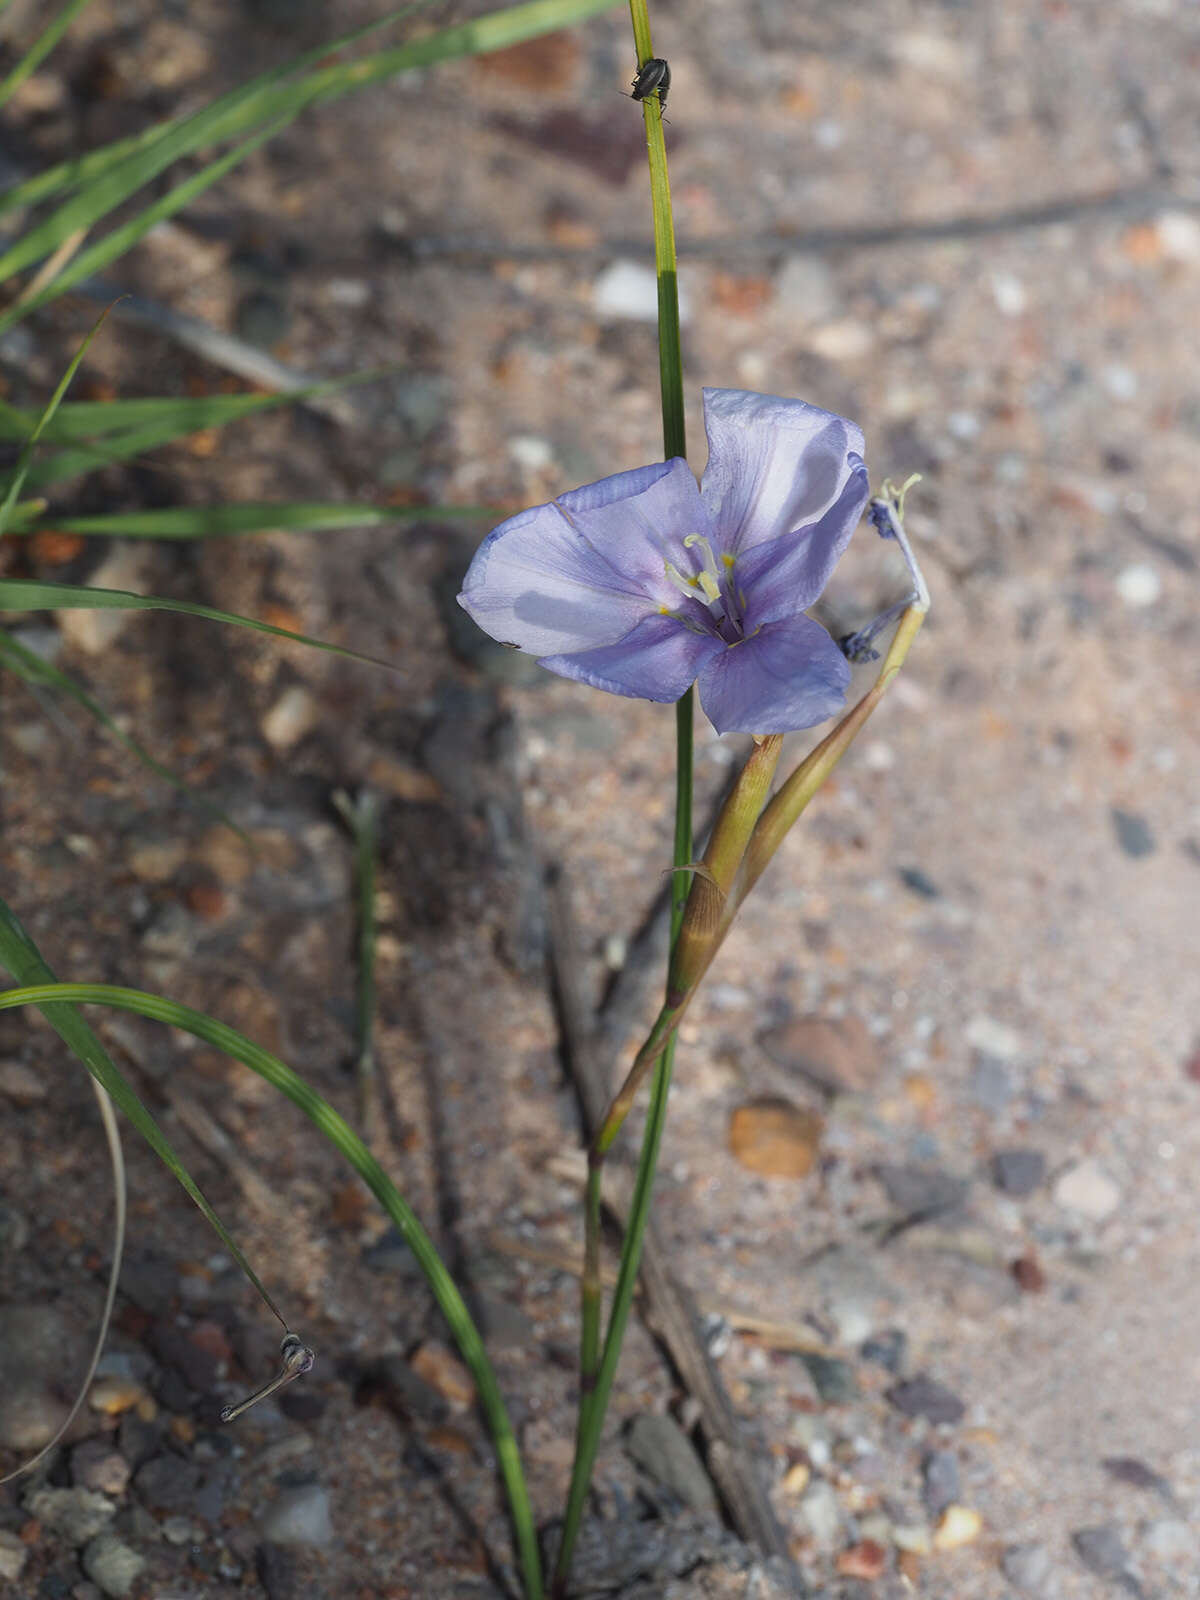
{"type": "Point", "coordinates": [138, 426]}
{"type": "Point", "coordinates": [33, 670]}
{"type": "Point", "coordinates": [249, 517]}
{"type": "Point", "coordinates": [40, 49]}
{"type": "Point", "coordinates": [22, 472]}
{"type": "Point", "coordinates": [122, 239]}
{"type": "Point", "coordinates": [265, 100]}
{"type": "Point", "coordinates": [327, 1121]}
{"type": "Point", "coordinates": [30, 594]}
{"type": "Point", "coordinates": [96, 165]}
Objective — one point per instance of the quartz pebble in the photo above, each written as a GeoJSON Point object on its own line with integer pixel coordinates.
{"type": "Point", "coordinates": [13, 1555]}
{"type": "Point", "coordinates": [1087, 1190]}
{"type": "Point", "coordinates": [820, 1514]}
{"type": "Point", "coordinates": [112, 1566]}
{"type": "Point", "coordinates": [957, 1526]}
{"type": "Point", "coordinates": [300, 1517]}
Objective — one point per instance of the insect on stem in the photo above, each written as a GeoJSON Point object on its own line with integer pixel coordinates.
{"type": "Point", "coordinates": [652, 78]}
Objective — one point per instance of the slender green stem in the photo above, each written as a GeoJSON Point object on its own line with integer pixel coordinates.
{"type": "Point", "coordinates": [596, 1370]}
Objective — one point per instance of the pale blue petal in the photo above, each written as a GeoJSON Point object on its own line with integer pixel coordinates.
{"type": "Point", "coordinates": [773, 464]}
{"type": "Point", "coordinates": [657, 660]}
{"type": "Point", "coordinates": [788, 675]}
{"type": "Point", "coordinates": [583, 570]}
{"type": "Point", "coordinates": [787, 575]}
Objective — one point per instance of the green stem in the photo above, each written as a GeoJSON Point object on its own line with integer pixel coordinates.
{"type": "Point", "coordinates": [596, 1370]}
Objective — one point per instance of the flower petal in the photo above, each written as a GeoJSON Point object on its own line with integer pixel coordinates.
{"type": "Point", "coordinates": [785, 576]}
{"type": "Point", "coordinates": [788, 675]}
{"type": "Point", "coordinates": [584, 569]}
{"type": "Point", "coordinates": [773, 464]}
{"type": "Point", "coordinates": [656, 660]}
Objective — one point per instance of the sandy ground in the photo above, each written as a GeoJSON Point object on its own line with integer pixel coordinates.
{"type": "Point", "coordinates": [974, 228]}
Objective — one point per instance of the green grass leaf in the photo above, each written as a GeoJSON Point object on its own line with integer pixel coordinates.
{"type": "Point", "coordinates": [22, 471]}
{"type": "Point", "coordinates": [30, 594]}
{"type": "Point", "coordinates": [40, 48]}
{"type": "Point", "coordinates": [127, 428]}
{"type": "Point", "coordinates": [268, 99]}
{"type": "Point", "coordinates": [327, 1121]}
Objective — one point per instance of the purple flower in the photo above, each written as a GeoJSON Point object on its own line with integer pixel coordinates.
{"type": "Point", "coordinates": [642, 584]}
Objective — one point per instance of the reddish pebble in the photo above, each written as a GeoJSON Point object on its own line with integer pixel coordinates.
{"type": "Point", "coordinates": [1027, 1270]}
{"type": "Point", "coordinates": [863, 1560]}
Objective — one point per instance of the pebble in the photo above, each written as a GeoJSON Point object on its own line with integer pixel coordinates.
{"type": "Point", "coordinates": [1101, 1550]}
{"type": "Point", "coordinates": [531, 452]}
{"type": "Point", "coordinates": [661, 1448]}
{"type": "Point", "coordinates": [21, 1083]}
{"type": "Point", "coordinates": [96, 1465]}
{"type": "Point", "coordinates": [866, 1559]}
{"type": "Point", "coordinates": [919, 883]}
{"type": "Point", "coordinates": [1134, 835]}
{"type": "Point", "coordinates": [774, 1138]}
{"type": "Point", "coordinates": [76, 1515]}
{"type": "Point", "coordinates": [806, 290]}
{"type": "Point", "coordinates": [847, 339]}
{"type": "Point", "coordinates": [300, 1517]}
{"type": "Point", "coordinates": [921, 1191]}
{"type": "Point", "coordinates": [1009, 294]}
{"type": "Point", "coordinates": [295, 714]}
{"type": "Point", "coordinates": [958, 1526]}
{"type": "Point", "coordinates": [913, 1537]}
{"type": "Point", "coordinates": [886, 1349]}
{"type": "Point", "coordinates": [990, 1084]}
{"type": "Point", "coordinates": [116, 1395]}
{"type": "Point", "coordinates": [821, 1515]}
{"type": "Point", "coordinates": [112, 1566]}
{"type": "Point", "coordinates": [167, 1483]}
{"type": "Point", "coordinates": [941, 1482]}
{"type": "Point", "coordinates": [261, 318]}
{"type": "Point", "coordinates": [94, 632]}
{"type": "Point", "coordinates": [1027, 1567]}
{"type": "Point", "coordinates": [837, 1054]}
{"type": "Point", "coordinates": [851, 1291]}
{"type": "Point", "coordinates": [13, 1555]}
{"type": "Point", "coordinates": [443, 1371]}
{"type": "Point", "coordinates": [1087, 1190]}
{"type": "Point", "coordinates": [797, 1478]}
{"type": "Point", "coordinates": [1018, 1172]}
{"type": "Point", "coordinates": [1179, 236]}
{"type": "Point", "coordinates": [833, 1380]}
{"type": "Point", "coordinates": [992, 1037]}
{"type": "Point", "coordinates": [1172, 1541]}
{"type": "Point", "coordinates": [923, 1396]}
{"type": "Point", "coordinates": [1139, 585]}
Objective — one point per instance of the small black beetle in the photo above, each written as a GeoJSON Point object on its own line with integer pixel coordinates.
{"type": "Point", "coordinates": [654, 76]}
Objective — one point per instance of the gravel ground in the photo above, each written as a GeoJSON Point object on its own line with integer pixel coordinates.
{"type": "Point", "coordinates": [962, 1340]}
